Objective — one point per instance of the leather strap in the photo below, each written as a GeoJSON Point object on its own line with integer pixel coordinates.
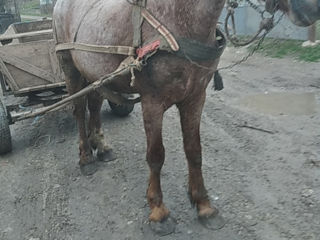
{"type": "Point", "coordinates": [197, 51]}
{"type": "Point", "coordinates": [120, 50]}
{"type": "Point", "coordinates": [139, 13]}
{"type": "Point", "coordinates": [161, 29]}
{"type": "Point", "coordinates": [137, 21]}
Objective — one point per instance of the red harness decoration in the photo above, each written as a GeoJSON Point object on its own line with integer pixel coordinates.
{"type": "Point", "coordinates": [143, 51]}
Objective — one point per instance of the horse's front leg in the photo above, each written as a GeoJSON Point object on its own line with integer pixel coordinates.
{"type": "Point", "coordinates": [153, 116]}
{"type": "Point", "coordinates": [153, 110]}
{"type": "Point", "coordinates": [190, 115]}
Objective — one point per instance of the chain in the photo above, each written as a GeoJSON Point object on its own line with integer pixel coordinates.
{"type": "Point", "coordinates": [255, 7]}
{"type": "Point", "coordinates": [246, 57]}
{"type": "Point", "coordinates": [253, 50]}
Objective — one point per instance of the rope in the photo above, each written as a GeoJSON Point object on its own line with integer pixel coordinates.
{"type": "Point", "coordinates": [253, 50]}
{"type": "Point", "coordinates": [266, 23]}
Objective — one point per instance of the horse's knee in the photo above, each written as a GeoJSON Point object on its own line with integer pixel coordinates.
{"type": "Point", "coordinates": [193, 154]}
{"type": "Point", "coordinates": [195, 161]}
{"type": "Point", "coordinates": [155, 159]}
{"type": "Point", "coordinates": [155, 156]}
{"type": "Point", "coordinates": [95, 101]}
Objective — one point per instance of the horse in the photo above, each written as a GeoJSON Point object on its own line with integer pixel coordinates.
{"type": "Point", "coordinates": [301, 12]}
{"type": "Point", "coordinates": [167, 80]}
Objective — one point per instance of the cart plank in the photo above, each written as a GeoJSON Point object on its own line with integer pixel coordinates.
{"type": "Point", "coordinates": [31, 64]}
{"type": "Point", "coordinates": [27, 67]}
{"type": "Point", "coordinates": [28, 34]}
{"type": "Point", "coordinates": [33, 26]}
{"type": "Point", "coordinates": [12, 83]}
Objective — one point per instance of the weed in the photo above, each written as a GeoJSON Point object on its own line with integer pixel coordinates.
{"type": "Point", "coordinates": [290, 48]}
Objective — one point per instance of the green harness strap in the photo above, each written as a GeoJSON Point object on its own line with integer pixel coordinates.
{"type": "Point", "coordinates": [137, 21]}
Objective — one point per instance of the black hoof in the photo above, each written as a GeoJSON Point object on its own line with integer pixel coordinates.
{"type": "Point", "coordinates": [164, 228]}
{"type": "Point", "coordinates": [107, 156]}
{"type": "Point", "coordinates": [89, 169]}
{"type": "Point", "coordinates": [214, 222]}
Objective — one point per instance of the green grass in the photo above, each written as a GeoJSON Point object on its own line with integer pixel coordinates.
{"type": "Point", "coordinates": [32, 8]}
{"type": "Point", "coordinates": [290, 48]}
{"type": "Point", "coordinates": [35, 4]}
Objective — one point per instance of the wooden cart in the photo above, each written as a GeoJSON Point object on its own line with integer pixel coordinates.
{"type": "Point", "coordinates": [31, 73]}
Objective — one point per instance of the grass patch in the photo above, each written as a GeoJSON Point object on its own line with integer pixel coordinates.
{"type": "Point", "coordinates": [34, 4]}
{"type": "Point", "coordinates": [289, 48]}
{"type": "Point", "coordinates": [32, 8]}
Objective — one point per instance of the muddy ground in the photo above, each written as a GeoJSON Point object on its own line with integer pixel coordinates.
{"type": "Point", "coordinates": [261, 166]}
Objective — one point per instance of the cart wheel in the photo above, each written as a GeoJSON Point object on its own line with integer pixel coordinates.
{"type": "Point", "coordinates": [121, 110]}
{"type": "Point", "coordinates": [5, 135]}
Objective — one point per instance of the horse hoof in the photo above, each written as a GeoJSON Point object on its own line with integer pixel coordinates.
{"type": "Point", "coordinates": [214, 222]}
{"type": "Point", "coordinates": [89, 169]}
{"type": "Point", "coordinates": [107, 156]}
{"type": "Point", "coordinates": [165, 227]}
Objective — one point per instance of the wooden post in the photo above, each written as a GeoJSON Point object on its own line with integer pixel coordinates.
{"type": "Point", "coordinates": [312, 33]}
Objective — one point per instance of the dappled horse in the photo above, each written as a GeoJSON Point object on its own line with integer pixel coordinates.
{"type": "Point", "coordinates": [170, 78]}
{"type": "Point", "coordinates": [301, 12]}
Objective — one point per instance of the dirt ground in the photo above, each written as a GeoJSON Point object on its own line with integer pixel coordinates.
{"type": "Point", "coordinates": [261, 147]}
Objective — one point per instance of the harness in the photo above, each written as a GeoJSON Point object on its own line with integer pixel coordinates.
{"type": "Point", "coordinates": [139, 52]}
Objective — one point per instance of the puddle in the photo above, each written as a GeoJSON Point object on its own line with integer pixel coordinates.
{"type": "Point", "coordinates": [283, 103]}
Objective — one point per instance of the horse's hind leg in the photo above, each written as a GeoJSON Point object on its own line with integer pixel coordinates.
{"type": "Point", "coordinates": [75, 82]}
{"type": "Point", "coordinates": [153, 112]}
{"type": "Point", "coordinates": [96, 137]}
{"type": "Point", "coordinates": [190, 114]}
